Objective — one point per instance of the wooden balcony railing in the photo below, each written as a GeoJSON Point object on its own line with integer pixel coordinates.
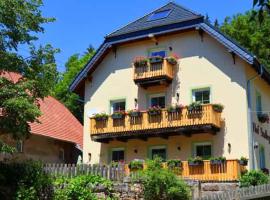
{"type": "Point", "coordinates": [230, 170]}
{"type": "Point", "coordinates": [154, 71]}
{"type": "Point", "coordinates": [164, 121]}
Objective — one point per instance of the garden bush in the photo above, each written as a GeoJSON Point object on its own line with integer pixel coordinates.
{"type": "Point", "coordinates": [25, 180]}
{"type": "Point", "coordinates": [80, 187]}
{"type": "Point", "coordinates": [161, 184]}
{"type": "Point", "coordinates": [253, 178]}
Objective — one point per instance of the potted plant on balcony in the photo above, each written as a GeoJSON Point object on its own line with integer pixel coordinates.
{"type": "Point", "coordinates": [263, 117]}
{"type": "Point", "coordinates": [155, 59]}
{"type": "Point", "coordinates": [134, 113]}
{"type": "Point", "coordinates": [172, 59]}
{"type": "Point", "coordinates": [217, 160]}
{"type": "Point", "coordinates": [175, 163]}
{"type": "Point", "coordinates": [136, 165]}
{"type": "Point", "coordinates": [195, 161]}
{"type": "Point", "coordinates": [118, 114]}
{"type": "Point", "coordinates": [243, 161]}
{"type": "Point", "coordinates": [175, 108]}
{"type": "Point", "coordinates": [101, 116]}
{"type": "Point", "coordinates": [195, 107]}
{"type": "Point", "coordinates": [218, 108]}
{"type": "Point", "coordinates": [140, 61]}
{"type": "Point", "coordinates": [154, 110]}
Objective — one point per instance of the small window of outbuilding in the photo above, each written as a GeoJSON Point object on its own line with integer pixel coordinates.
{"type": "Point", "coordinates": [159, 15]}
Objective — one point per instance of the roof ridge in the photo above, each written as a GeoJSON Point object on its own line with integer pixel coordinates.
{"type": "Point", "coordinates": [185, 8]}
{"type": "Point", "coordinates": [137, 19]}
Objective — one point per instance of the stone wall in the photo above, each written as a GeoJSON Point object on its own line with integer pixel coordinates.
{"type": "Point", "coordinates": [134, 191]}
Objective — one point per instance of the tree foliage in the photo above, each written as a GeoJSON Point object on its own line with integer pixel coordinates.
{"type": "Point", "coordinates": [61, 91]}
{"type": "Point", "coordinates": [20, 23]}
{"type": "Point", "coordinates": [250, 34]}
{"type": "Point", "coordinates": [264, 8]}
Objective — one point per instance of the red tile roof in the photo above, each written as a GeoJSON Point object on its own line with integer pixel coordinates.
{"type": "Point", "coordinates": [56, 120]}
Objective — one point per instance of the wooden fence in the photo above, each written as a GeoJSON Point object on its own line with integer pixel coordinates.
{"type": "Point", "coordinates": [108, 172]}
{"type": "Point", "coordinates": [257, 192]}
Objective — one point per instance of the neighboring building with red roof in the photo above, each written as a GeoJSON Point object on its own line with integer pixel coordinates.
{"type": "Point", "coordinates": [58, 138]}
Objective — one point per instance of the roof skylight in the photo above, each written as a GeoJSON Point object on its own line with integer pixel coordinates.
{"type": "Point", "coordinates": [159, 15]}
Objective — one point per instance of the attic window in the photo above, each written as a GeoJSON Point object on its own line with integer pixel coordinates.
{"type": "Point", "coordinates": [159, 15]}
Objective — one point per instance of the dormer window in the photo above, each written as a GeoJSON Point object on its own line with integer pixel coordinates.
{"type": "Point", "coordinates": [159, 15]}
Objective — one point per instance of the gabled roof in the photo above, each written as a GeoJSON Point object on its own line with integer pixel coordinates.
{"type": "Point", "coordinates": [179, 19]}
{"type": "Point", "coordinates": [56, 120]}
{"type": "Point", "coordinates": [177, 14]}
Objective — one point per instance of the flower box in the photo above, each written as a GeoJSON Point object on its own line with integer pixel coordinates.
{"type": "Point", "coordinates": [154, 112]}
{"type": "Point", "coordinates": [134, 113]}
{"type": "Point", "coordinates": [156, 59]}
{"type": "Point", "coordinates": [140, 61]}
{"type": "Point", "coordinates": [217, 160]}
{"type": "Point", "coordinates": [263, 117]}
{"type": "Point", "coordinates": [243, 162]}
{"type": "Point", "coordinates": [195, 107]}
{"type": "Point", "coordinates": [218, 108]}
{"type": "Point", "coordinates": [195, 163]}
{"type": "Point", "coordinates": [171, 60]}
{"type": "Point", "coordinates": [175, 109]}
{"type": "Point", "coordinates": [118, 115]}
{"type": "Point", "coordinates": [101, 117]}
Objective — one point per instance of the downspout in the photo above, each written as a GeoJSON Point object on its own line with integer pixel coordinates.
{"type": "Point", "coordinates": [250, 118]}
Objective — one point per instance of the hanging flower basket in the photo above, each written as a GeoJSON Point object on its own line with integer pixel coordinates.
{"type": "Point", "coordinates": [263, 117]}
{"type": "Point", "coordinates": [140, 61]}
{"type": "Point", "coordinates": [101, 117]}
{"type": "Point", "coordinates": [154, 111]}
{"type": "Point", "coordinates": [118, 115]}
{"type": "Point", "coordinates": [156, 59]}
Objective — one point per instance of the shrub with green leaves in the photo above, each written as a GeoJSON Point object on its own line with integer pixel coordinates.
{"type": "Point", "coordinates": [26, 180]}
{"type": "Point", "coordinates": [80, 187]}
{"type": "Point", "coordinates": [253, 178]}
{"type": "Point", "coordinates": [161, 184]}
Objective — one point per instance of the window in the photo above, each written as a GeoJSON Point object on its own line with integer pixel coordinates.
{"type": "Point", "coordinates": [158, 151]}
{"type": "Point", "coordinates": [262, 157]}
{"type": "Point", "coordinates": [118, 105]}
{"type": "Point", "coordinates": [161, 53]}
{"type": "Point", "coordinates": [159, 15]}
{"type": "Point", "coordinates": [203, 150]}
{"type": "Point", "coordinates": [157, 100]}
{"type": "Point", "coordinates": [19, 146]}
{"type": "Point", "coordinates": [258, 102]}
{"type": "Point", "coordinates": [201, 95]}
{"type": "Point", "coordinates": [118, 154]}
{"type": "Point", "coordinates": [62, 154]}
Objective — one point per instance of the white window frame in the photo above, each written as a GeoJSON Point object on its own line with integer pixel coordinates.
{"type": "Point", "coordinates": [201, 144]}
{"type": "Point", "coordinates": [200, 90]}
{"type": "Point", "coordinates": [117, 101]}
{"type": "Point", "coordinates": [156, 95]}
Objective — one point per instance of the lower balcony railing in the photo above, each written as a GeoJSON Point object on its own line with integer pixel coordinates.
{"type": "Point", "coordinates": [230, 170]}
{"type": "Point", "coordinates": [184, 121]}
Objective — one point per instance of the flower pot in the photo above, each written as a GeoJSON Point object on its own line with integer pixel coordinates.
{"type": "Point", "coordinates": [263, 118]}
{"type": "Point", "coordinates": [216, 162]}
{"type": "Point", "coordinates": [154, 112]}
{"type": "Point", "coordinates": [117, 116]}
{"type": "Point", "coordinates": [154, 60]}
{"type": "Point", "coordinates": [195, 163]}
{"type": "Point", "coordinates": [99, 119]}
{"type": "Point", "coordinates": [140, 64]}
{"type": "Point", "coordinates": [171, 61]}
{"type": "Point", "coordinates": [135, 114]}
{"type": "Point", "coordinates": [243, 162]}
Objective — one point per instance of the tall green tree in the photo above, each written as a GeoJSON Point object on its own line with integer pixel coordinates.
{"type": "Point", "coordinates": [61, 91]}
{"type": "Point", "coordinates": [20, 23]}
{"type": "Point", "coordinates": [250, 34]}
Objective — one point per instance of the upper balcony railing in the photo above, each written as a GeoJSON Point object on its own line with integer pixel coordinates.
{"type": "Point", "coordinates": [164, 122]}
{"type": "Point", "coordinates": [154, 73]}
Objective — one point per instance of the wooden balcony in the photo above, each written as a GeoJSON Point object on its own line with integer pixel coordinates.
{"type": "Point", "coordinates": [154, 74]}
{"type": "Point", "coordinates": [230, 170]}
{"type": "Point", "coordinates": [163, 125]}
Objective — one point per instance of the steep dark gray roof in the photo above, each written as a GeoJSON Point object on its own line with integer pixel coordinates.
{"type": "Point", "coordinates": [177, 14]}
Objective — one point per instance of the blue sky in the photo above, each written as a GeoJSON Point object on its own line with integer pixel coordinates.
{"type": "Point", "coordinates": [80, 23]}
